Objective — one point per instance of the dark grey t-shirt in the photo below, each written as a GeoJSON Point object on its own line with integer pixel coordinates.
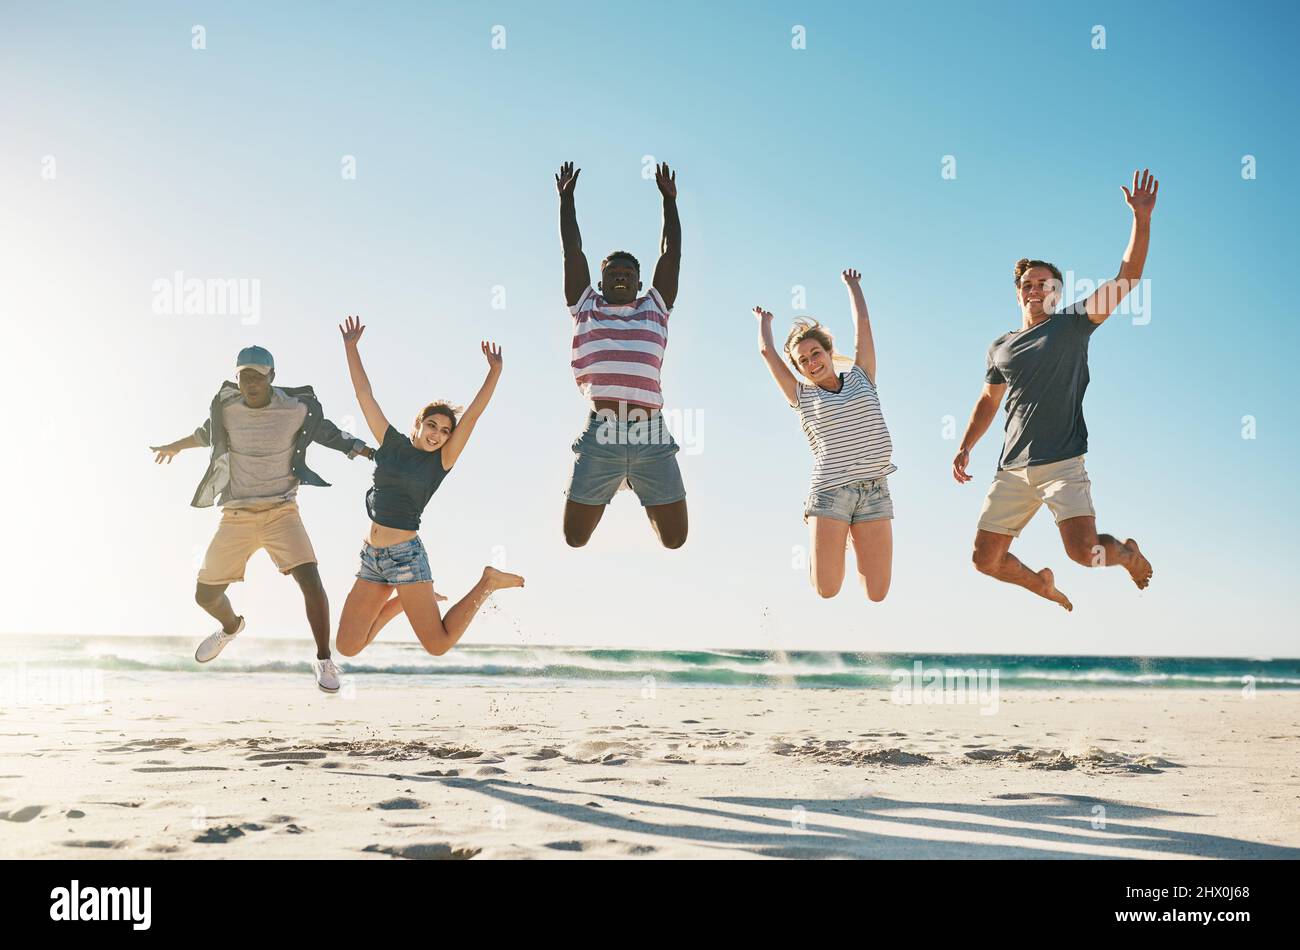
{"type": "Point", "coordinates": [1046, 372]}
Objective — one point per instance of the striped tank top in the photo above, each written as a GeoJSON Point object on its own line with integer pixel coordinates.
{"type": "Point", "coordinates": [618, 349]}
{"type": "Point", "coordinates": [846, 431]}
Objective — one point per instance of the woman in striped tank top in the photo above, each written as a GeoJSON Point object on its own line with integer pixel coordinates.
{"type": "Point", "coordinates": [840, 414]}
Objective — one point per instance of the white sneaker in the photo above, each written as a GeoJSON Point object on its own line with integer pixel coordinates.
{"type": "Point", "coordinates": [215, 643]}
{"type": "Point", "coordinates": [327, 675]}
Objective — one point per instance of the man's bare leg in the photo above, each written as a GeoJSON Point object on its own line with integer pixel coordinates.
{"type": "Point", "coordinates": [580, 521]}
{"type": "Point", "coordinates": [213, 599]}
{"type": "Point", "coordinates": [669, 522]}
{"type": "Point", "coordinates": [1085, 546]}
{"type": "Point", "coordinates": [993, 557]}
{"type": "Point", "coordinates": [317, 604]}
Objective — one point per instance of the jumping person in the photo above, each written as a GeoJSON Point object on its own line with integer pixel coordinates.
{"type": "Point", "coordinates": [1043, 367]}
{"type": "Point", "coordinates": [394, 577]}
{"type": "Point", "coordinates": [619, 336]}
{"type": "Point", "coordinates": [840, 414]}
{"type": "Point", "coordinates": [259, 435]}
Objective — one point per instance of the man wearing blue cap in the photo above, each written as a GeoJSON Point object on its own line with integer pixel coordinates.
{"type": "Point", "coordinates": [259, 435]}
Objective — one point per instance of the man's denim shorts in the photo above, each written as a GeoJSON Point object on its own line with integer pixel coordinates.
{"type": "Point", "coordinates": [857, 501]}
{"type": "Point", "coordinates": [405, 563]}
{"type": "Point", "coordinates": [611, 452]}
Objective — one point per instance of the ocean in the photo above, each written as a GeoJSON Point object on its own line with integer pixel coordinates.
{"type": "Point", "coordinates": [25, 660]}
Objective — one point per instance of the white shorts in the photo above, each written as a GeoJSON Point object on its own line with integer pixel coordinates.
{"type": "Point", "coordinates": [1016, 495]}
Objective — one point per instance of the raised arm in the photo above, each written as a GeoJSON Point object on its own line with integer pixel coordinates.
{"type": "Point", "coordinates": [465, 426]}
{"type": "Point", "coordinates": [352, 330]}
{"type": "Point", "coordinates": [986, 407]}
{"type": "Point", "coordinates": [577, 275]}
{"type": "Point", "coordinates": [785, 380]}
{"type": "Point", "coordinates": [1141, 201]}
{"type": "Point", "coordinates": [864, 347]}
{"type": "Point", "coordinates": [669, 267]}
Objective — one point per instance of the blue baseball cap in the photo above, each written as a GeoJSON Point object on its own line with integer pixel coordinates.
{"type": "Point", "coordinates": [254, 357]}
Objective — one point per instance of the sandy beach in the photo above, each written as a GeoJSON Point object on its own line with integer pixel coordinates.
{"type": "Point", "coordinates": [230, 768]}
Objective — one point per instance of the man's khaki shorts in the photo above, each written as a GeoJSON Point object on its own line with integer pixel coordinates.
{"type": "Point", "coordinates": [243, 531]}
{"type": "Point", "coordinates": [1016, 495]}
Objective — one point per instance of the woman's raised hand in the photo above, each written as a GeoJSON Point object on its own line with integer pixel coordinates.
{"type": "Point", "coordinates": [352, 330]}
{"type": "Point", "coordinates": [764, 316]}
{"type": "Point", "coordinates": [493, 354]}
{"type": "Point", "coordinates": [850, 277]}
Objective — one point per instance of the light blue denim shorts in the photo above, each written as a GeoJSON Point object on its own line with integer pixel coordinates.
{"type": "Point", "coordinates": [642, 454]}
{"type": "Point", "coordinates": [405, 563]}
{"type": "Point", "coordinates": [857, 501]}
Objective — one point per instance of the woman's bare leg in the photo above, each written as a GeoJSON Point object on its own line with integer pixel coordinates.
{"type": "Point", "coordinates": [438, 635]}
{"type": "Point", "coordinates": [364, 604]}
{"type": "Point", "coordinates": [826, 567]}
{"type": "Point", "coordinates": [873, 543]}
{"type": "Point", "coordinates": [392, 607]}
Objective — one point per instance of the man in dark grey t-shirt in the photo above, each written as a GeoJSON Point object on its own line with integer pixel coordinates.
{"type": "Point", "coordinates": [1042, 368]}
{"type": "Point", "coordinates": [1045, 370]}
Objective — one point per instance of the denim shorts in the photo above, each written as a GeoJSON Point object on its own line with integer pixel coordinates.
{"type": "Point", "coordinates": [857, 501]}
{"type": "Point", "coordinates": [612, 454]}
{"type": "Point", "coordinates": [405, 563]}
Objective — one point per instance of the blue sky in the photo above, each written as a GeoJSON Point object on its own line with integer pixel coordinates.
{"type": "Point", "coordinates": [792, 164]}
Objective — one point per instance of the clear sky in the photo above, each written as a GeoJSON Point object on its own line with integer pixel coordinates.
{"type": "Point", "coordinates": [129, 155]}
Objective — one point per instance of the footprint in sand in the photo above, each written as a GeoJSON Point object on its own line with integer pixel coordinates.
{"type": "Point", "coordinates": [102, 845]}
{"type": "Point", "coordinates": [224, 833]}
{"type": "Point", "coordinates": [148, 745]}
{"type": "Point", "coordinates": [284, 756]}
{"type": "Point", "coordinates": [398, 803]}
{"type": "Point", "coordinates": [424, 852]}
{"type": "Point", "coordinates": [608, 846]}
{"type": "Point", "coordinates": [183, 768]}
{"type": "Point", "coordinates": [547, 753]}
{"type": "Point", "coordinates": [22, 814]}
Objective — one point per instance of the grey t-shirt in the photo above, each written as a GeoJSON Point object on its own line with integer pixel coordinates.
{"type": "Point", "coordinates": [1046, 372]}
{"type": "Point", "coordinates": [261, 451]}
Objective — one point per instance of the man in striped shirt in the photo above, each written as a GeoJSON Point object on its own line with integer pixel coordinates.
{"type": "Point", "coordinates": [619, 337]}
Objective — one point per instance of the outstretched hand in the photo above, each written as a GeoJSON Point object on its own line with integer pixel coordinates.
{"type": "Point", "coordinates": [164, 453]}
{"type": "Point", "coordinates": [850, 277]}
{"type": "Point", "coordinates": [567, 179]}
{"type": "Point", "coordinates": [1142, 199]}
{"type": "Point", "coordinates": [666, 180]}
{"type": "Point", "coordinates": [493, 354]}
{"type": "Point", "coordinates": [352, 329]}
{"type": "Point", "coordinates": [764, 316]}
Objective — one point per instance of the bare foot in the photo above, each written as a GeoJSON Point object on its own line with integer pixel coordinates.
{"type": "Point", "coordinates": [1049, 589]}
{"type": "Point", "coordinates": [1139, 568]}
{"type": "Point", "coordinates": [497, 580]}
{"type": "Point", "coordinates": [437, 597]}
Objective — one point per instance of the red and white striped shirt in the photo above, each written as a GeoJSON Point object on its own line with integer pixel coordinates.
{"type": "Point", "coordinates": [619, 349]}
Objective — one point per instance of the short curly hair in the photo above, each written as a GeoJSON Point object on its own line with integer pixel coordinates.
{"type": "Point", "coordinates": [620, 256]}
{"type": "Point", "coordinates": [806, 328]}
{"type": "Point", "coordinates": [1026, 263]}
